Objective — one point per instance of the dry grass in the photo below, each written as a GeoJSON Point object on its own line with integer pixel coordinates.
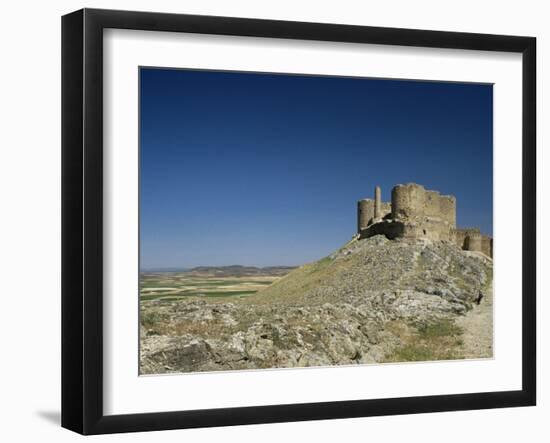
{"type": "Point", "coordinates": [293, 286]}
{"type": "Point", "coordinates": [436, 341]}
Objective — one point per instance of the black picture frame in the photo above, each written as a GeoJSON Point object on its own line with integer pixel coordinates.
{"type": "Point", "coordinates": [82, 218]}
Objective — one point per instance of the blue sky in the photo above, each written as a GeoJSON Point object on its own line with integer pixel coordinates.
{"type": "Point", "coordinates": [261, 169]}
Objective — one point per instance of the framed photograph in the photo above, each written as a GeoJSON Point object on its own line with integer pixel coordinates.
{"type": "Point", "coordinates": [268, 221]}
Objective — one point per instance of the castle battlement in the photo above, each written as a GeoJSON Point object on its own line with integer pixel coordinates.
{"type": "Point", "coordinates": [414, 213]}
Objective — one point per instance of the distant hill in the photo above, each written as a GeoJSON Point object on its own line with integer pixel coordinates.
{"type": "Point", "coordinates": [239, 270]}
{"type": "Point", "coordinates": [164, 269]}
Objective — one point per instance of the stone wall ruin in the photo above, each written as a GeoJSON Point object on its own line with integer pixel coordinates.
{"type": "Point", "coordinates": [415, 212]}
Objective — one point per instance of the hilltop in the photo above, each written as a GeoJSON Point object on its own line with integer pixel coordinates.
{"type": "Point", "coordinates": [373, 300]}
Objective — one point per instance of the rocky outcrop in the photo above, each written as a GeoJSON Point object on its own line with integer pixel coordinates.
{"type": "Point", "coordinates": [336, 311]}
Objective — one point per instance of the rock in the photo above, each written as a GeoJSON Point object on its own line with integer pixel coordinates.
{"type": "Point", "coordinates": [335, 311]}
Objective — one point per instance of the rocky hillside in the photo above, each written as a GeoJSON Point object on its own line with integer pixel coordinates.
{"type": "Point", "coordinates": [374, 300]}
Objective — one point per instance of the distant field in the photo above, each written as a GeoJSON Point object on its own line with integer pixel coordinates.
{"type": "Point", "coordinates": [178, 285]}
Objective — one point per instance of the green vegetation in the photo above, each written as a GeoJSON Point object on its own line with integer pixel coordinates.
{"type": "Point", "coordinates": [426, 342]}
{"type": "Point", "coordinates": [176, 286]}
{"type": "Point", "coordinates": [227, 293]}
{"type": "Point", "coordinates": [152, 318]}
{"type": "Point", "coordinates": [443, 328]}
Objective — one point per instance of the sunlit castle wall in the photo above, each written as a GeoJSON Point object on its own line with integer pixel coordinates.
{"type": "Point", "coordinates": [408, 201]}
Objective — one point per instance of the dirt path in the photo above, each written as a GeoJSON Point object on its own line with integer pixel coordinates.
{"type": "Point", "coordinates": [478, 329]}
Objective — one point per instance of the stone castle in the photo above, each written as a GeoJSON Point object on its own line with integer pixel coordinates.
{"type": "Point", "coordinates": [415, 213]}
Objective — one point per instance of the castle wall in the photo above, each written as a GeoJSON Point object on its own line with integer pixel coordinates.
{"type": "Point", "coordinates": [435, 230]}
{"type": "Point", "coordinates": [432, 204]}
{"type": "Point", "coordinates": [391, 229]}
{"type": "Point", "coordinates": [460, 238]}
{"type": "Point", "coordinates": [471, 239]}
{"type": "Point", "coordinates": [415, 212]}
{"type": "Point", "coordinates": [461, 234]}
{"type": "Point", "coordinates": [473, 242]}
{"type": "Point", "coordinates": [365, 212]}
{"type": "Point", "coordinates": [413, 201]}
{"type": "Point", "coordinates": [385, 208]}
{"type": "Point", "coordinates": [407, 201]}
{"type": "Point", "coordinates": [487, 245]}
{"type": "Point", "coordinates": [447, 209]}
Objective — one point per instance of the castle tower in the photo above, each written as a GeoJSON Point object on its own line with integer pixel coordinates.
{"type": "Point", "coordinates": [448, 209]}
{"type": "Point", "coordinates": [365, 213]}
{"type": "Point", "coordinates": [486, 245]}
{"type": "Point", "coordinates": [417, 213]}
{"type": "Point", "coordinates": [474, 242]}
{"type": "Point", "coordinates": [407, 201]}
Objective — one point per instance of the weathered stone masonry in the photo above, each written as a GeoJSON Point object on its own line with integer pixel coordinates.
{"type": "Point", "coordinates": [415, 212]}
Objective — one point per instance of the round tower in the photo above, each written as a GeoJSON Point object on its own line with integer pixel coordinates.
{"type": "Point", "coordinates": [474, 242]}
{"type": "Point", "coordinates": [408, 201]}
{"type": "Point", "coordinates": [365, 213]}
